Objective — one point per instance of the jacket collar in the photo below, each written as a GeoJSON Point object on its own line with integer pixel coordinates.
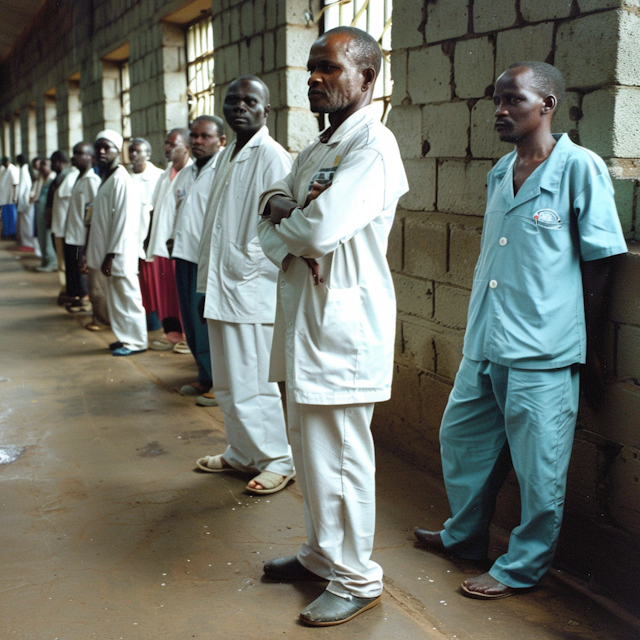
{"type": "Point", "coordinates": [255, 141]}
{"type": "Point", "coordinates": [361, 117]}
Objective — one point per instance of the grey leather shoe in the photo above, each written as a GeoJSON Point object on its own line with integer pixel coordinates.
{"type": "Point", "coordinates": [429, 539]}
{"type": "Point", "coordinates": [330, 609]}
{"type": "Point", "coordinates": [288, 568]}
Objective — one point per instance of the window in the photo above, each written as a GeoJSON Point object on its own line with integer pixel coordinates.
{"type": "Point", "coordinates": [199, 44]}
{"type": "Point", "coordinates": [374, 17]}
{"type": "Point", "coordinates": [125, 100]}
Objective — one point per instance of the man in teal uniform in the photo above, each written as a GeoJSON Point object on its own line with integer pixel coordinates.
{"type": "Point", "coordinates": [536, 313]}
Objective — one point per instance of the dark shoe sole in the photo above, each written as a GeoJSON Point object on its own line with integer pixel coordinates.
{"type": "Point", "coordinates": [331, 623]}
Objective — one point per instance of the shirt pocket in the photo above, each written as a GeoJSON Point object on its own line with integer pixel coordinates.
{"type": "Point", "coordinates": [243, 263]}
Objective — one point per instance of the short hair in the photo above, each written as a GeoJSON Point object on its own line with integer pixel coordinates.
{"type": "Point", "coordinates": [5, 159]}
{"type": "Point", "coordinates": [547, 79]}
{"type": "Point", "coordinates": [367, 53]}
{"type": "Point", "coordinates": [22, 159]}
{"type": "Point", "coordinates": [182, 132]}
{"type": "Point", "coordinates": [146, 143]}
{"type": "Point", "coordinates": [83, 144]}
{"type": "Point", "coordinates": [60, 156]}
{"type": "Point", "coordinates": [250, 78]}
{"type": "Point", "coordinates": [215, 119]}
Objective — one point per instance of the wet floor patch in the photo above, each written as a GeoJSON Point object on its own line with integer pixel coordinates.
{"type": "Point", "coordinates": [151, 450]}
{"type": "Point", "coordinates": [10, 454]}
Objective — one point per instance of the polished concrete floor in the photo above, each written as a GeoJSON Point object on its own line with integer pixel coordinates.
{"type": "Point", "coordinates": [109, 533]}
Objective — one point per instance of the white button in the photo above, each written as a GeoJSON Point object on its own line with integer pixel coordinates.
{"type": "Point", "coordinates": [502, 242]}
{"type": "Point", "coordinates": [493, 284]}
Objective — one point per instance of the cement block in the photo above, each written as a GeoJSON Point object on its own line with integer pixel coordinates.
{"type": "Point", "coordinates": [255, 55]}
{"type": "Point", "coordinates": [271, 14]}
{"type": "Point", "coordinates": [618, 420]}
{"type": "Point", "coordinates": [594, 5]}
{"type": "Point", "coordinates": [246, 20]}
{"type": "Point", "coordinates": [462, 186]}
{"type": "Point", "coordinates": [569, 114]}
{"type": "Point", "coordinates": [528, 43]}
{"type": "Point", "coordinates": [272, 80]}
{"type": "Point", "coordinates": [395, 247]}
{"type": "Point", "coordinates": [259, 16]}
{"type": "Point", "coordinates": [628, 354]}
{"type": "Point", "coordinates": [625, 298]}
{"type": "Point", "coordinates": [244, 57]}
{"type": "Point", "coordinates": [216, 23]}
{"type": "Point", "coordinates": [425, 248]}
{"type": "Point", "coordinates": [399, 77]}
{"type": "Point", "coordinates": [445, 130]}
{"type": "Point", "coordinates": [301, 129]}
{"type": "Point", "coordinates": [626, 132]}
{"type": "Point", "coordinates": [485, 142]}
{"type": "Point", "coordinates": [429, 75]}
{"type": "Point", "coordinates": [450, 305]}
{"type": "Point", "coordinates": [269, 55]}
{"type": "Point", "coordinates": [583, 478]}
{"type": "Point", "coordinates": [624, 496]}
{"type": "Point", "coordinates": [534, 11]}
{"type": "Point", "coordinates": [446, 20]}
{"type": "Point", "coordinates": [234, 24]}
{"type": "Point", "coordinates": [492, 15]}
{"type": "Point", "coordinates": [231, 61]}
{"type": "Point", "coordinates": [405, 122]}
{"type": "Point", "coordinates": [418, 346]}
{"type": "Point", "coordinates": [226, 30]}
{"type": "Point", "coordinates": [414, 296]}
{"type": "Point", "coordinates": [448, 353]}
{"type": "Point", "coordinates": [625, 196]}
{"type": "Point", "coordinates": [405, 30]}
{"type": "Point", "coordinates": [421, 175]}
{"type": "Point", "coordinates": [298, 43]}
{"type": "Point", "coordinates": [464, 249]}
{"type": "Point", "coordinates": [582, 64]}
{"type": "Point", "coordinates": [281, 47]}
{"type": "Point", "coordinates": [293, 91]}
{"type": "Point", "coordinates": [473, 69]}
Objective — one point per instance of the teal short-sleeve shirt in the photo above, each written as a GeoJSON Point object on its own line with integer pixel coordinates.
{"type": "Point", "coordinates": [526, 308]}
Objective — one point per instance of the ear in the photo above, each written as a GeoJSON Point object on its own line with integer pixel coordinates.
{"type": "Point", "coordinates": [223, 140]}
{"type": "Point", "coordinates": [267, 109]}
{"type": "Point", "coordinates": [549, 104]}
{"type": "Point", "coordinates": [368, 78]}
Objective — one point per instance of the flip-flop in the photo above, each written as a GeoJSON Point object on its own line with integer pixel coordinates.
{"type": "Point", "coordinates": [212, 464]}
{"type": "Point", "coordinates": [272, 482]}
{"type": "Point", "coordinates": [504, 593]}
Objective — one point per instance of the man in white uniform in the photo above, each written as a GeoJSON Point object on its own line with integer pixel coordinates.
{"type": "Point", "coordinates": [113, 246]}
{"type": "Point", "coordinates": [9, 180]}
{"type": "Point", "coordinates": [239, 284]}
{"type": "Point", "coordinates": [75, 231]}
{"type": "Point", "coordinates": [207, 137]}
{"type": "Point", "coordinates": [26, 241]}
{"type": "Point", "coordinates": [326, 225]}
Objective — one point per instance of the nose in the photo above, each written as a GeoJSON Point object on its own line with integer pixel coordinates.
{"type": "Point", "coordinates": [314, 78]}
{"type": "Point", "coordinates": [501, 110]}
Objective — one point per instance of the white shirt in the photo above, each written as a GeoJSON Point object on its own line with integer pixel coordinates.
{"type": "Point", "coordinates": [190, 210]}
{"type": "Point", "coordinates": [24, 188]}
{"type": "Point", "coordinates": [115, 224]}
{"type": "Point", "coordinates": [146, 182]}
{"type": "Point", "coordinates": [237, 278]}
{"type": "Point", "coordinates": [165, 198]}
{"type": "Point", "coordinates": [60, 206]}
{"type": "Point", "coordinates": [84, 191]}
{"type": "Point", "coordinates": [334, 342]}
{"type": "Point", "coordinates": [9, 179]}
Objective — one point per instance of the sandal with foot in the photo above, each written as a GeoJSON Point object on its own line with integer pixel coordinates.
{"type": "Point", "coordinates": [272, 482]}
{"type": "Point", "coordinates": [213, 464]}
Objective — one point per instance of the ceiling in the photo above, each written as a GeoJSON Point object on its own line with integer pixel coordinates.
{"type": "Point", "coordinates": [16, 15]}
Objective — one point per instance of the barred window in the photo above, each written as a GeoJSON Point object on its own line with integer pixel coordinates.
{"type": "Point", "coordinates": [200, 85]}
{"type": "Point", "coordinates": [374, 17]}
{"type": "Point", "coordinates": [125, 100]}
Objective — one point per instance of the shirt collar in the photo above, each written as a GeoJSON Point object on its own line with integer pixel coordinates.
{"type": "Point", "coordinates": [361, 117]}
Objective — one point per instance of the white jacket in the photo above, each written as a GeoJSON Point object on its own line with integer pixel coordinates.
{"type": "Point", "coordinates": [24, 189]}
{"type": "Point", "coordinates": [84, 191]}
{"type": "Point", "coordinates": [334, 342]}
{"type": "Point", "coordinates": [233, 272]}
{"type": "Point", "coordinates": [60, 206]}
{"type": "Point", "coordinates": [146, 182]}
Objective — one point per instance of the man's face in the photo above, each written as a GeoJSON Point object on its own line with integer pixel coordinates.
{"type": "Point", "coordinates": [518, 106]}
{"type": "Point", "coordinates": [175, 149]}
{"type": "Point", "coordinates": [106, 152]}
{"type": "Point", "coordinates": [335, 82]}
{"type": "Point", "coordinates": [204, 139]}
{"type": "Point", "coordinates": [138, 154]}
{"type": "Point", "coordinates": [82, 157]}
{"type": "Point", "coordinates": [245, 107]}
{"type": "Point", "coordinates": [45, 167]}
{"type": "Point", "coordinates": [56, 164]}
{"type": "Point", "coordinates": [36, 164]}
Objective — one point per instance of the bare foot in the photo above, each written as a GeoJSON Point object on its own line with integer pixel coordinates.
{"type": "Point", "coordinates": [485, 586]}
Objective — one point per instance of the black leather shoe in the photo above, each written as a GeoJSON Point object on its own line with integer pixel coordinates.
{"type": "Point", "coordinates": [287, 569]}
{"type": "Point", "coordinates": [330, 609]}
{"type": "Point", "coordinates": [430, 539]}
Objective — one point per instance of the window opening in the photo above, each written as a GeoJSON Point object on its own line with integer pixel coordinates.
{"type": "Point", "coordinates": [200, 84]}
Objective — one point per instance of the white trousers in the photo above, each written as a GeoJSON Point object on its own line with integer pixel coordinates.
{"type": "Point", "coordinates": [25, 229]}
{"type": "Point", "coordinates": [252, 406]}
{"type": "Point", "coordinates": [126, 313]}
{"type": "Point", "coordinates": [335, 461]}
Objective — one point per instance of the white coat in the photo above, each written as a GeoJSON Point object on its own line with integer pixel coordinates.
{"type": "Point", "coordinates": [146, 182]}
{"type": "Point", "coordinates": [24, 189]}
{"type": "Point", "coordinates": [9, 180]}
{"type": "Point", "coordinates": [191, 209]}
{"type": "Point", "coordinates": [334, 341]}
{"type": "Point", "coordinates": [237, 278]}
{"type": "Point", "coordinates": [115, 225]}
{"type": "Point", "coordinates": [165, 198]}
{"type": "Point", "coordinates": [61, 200]}
{"type": "Point", "coordinates": [84, 191]}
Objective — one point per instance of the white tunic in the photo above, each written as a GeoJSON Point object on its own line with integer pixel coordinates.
{"type": "Point", "coordinates": [24, 189]}
{"type": "Point", "coordinates": [237, 278]}
{"type": "Point", "coordinates": [9, 179]}
{"type": "Point", "coordinates": [191, 208]}
{"type": "Point", "coordinates": [335, 340]}
{"type": "Point", "coordinates": [146, 182]}
{"type": "Point", "coordinates": [165, 198]}
{"type": "Point", "coordinates": [60, 206]}
{"type": "Point", "coordinates": [115, 225]}
{"type": "Point", "coordinates": [84, 191]}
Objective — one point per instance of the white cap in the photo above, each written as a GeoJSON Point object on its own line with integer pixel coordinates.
{"type": "Point", "coordinates": [112, 136]}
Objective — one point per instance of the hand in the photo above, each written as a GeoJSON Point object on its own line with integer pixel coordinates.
{"type": "Point", "coordinates": [280, 207]}
{"type": "Point", "coordinates": [314, 266]}
{"type": "Point", "coordinates": [170, 247]}
{"type": "Point", "coordinates": [82, 264]}
{"type": "Point", "coordinates": [316, 190]}
{"type": "Point", "coordinates": [107, 264]}
{"type": "Point", "coordinates": [201, 304]}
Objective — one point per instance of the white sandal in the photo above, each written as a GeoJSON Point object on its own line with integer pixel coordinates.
{"type": "Point", "coordinates": [272, 482]}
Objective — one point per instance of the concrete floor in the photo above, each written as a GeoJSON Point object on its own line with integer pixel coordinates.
{"type": "Point", "coordinates": [109, 533]}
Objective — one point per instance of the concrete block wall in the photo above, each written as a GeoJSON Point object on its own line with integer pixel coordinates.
{"type": "Point", "coordinates": [445, 60]}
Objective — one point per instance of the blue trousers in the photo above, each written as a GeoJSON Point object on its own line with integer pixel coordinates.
{"type": "Point", "coordinates": [496, 413]}
{"type": "Point", "coordinates": [196, 333]}
{"type": "Point", "coordinates": [9, 220]}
